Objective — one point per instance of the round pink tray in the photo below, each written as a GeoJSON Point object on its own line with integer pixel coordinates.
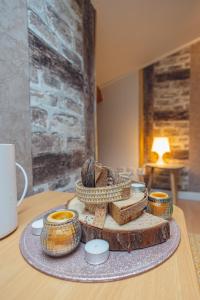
{"type": "Point", "coordinates": [119, 265]}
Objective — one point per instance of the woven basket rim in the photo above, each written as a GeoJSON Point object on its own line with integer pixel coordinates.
{"type": "Point", "coordinates": [125, 181]}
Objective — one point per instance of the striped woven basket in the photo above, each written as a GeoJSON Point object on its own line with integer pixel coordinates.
{"type": "Point", "coordinates": [98, 196]}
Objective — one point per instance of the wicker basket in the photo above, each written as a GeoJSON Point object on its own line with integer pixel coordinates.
{"type": "Point", "coordinates": [93, 197]}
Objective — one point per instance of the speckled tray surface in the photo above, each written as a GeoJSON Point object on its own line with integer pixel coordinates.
{"type": "Point", "coordinates": [118, 266]}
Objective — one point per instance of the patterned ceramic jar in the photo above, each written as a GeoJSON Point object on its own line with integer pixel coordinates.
{"type": "Point", "coordinates": [160, 204]}
{"type": "Point", "coordinates": [61, 233]}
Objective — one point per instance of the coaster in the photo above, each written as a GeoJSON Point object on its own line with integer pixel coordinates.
{"type": "Point", "coordinates": [119, 265]}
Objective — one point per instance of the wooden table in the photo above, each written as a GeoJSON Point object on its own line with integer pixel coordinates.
{"type": "Point", "coordinates": [173, 280]}
{"type": "Point", "coordinates": [173, 170]}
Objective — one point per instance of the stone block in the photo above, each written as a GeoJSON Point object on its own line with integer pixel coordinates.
{"type": "Point", "coordinates": [66, 183]}
{"type": "Point", "coordinates": [179, 60]}
{"type": "Point", "coordinates": [180, 154]}
{"type": "Point", "coordinates": [73, 105]}
{"type": "Point", "coordinates": [39, 117]}
{"type": "Point", "coordinates": [40, 188]}
{"type": "Point", "coordinates": [69, 12]}
{"type": "Point", "coordinates": [76, 94]}
{"type": "Point", "coordinates": [43, 99]}
{"type": "Point", "coordinates": [175, 75]}
{"type": "Point", "coordinates": [60, 27]}
{"type": "Point", "coordinates": [62, 9]}
{"type": "Point", "coordinates": [169, 131]}
{"type": "Point", "coordinates": [59, 183]}
{"type": "Point", "coordinates": [76, 6]}
{"type": "Point", "coordinates": [171, 115]}
{"type": "Point", "coordinates": [64, 123]}
{"type": "Point", "coordinates": [42, 30]}
{"type": "Point", "coordinates": [50, 166]}
{"type": "Point", "coordinates": [74, 143]}
{"type": "Point", "coordinates": [44, 56]}
{"type": "Point", "coordinates": [72, 57]}
{"type": "Point", "coordinates": [79, 46]}
{"type": "Point", "coordinates": [51, 80]}
{"type": "Point", "coordinates": [47, 143]}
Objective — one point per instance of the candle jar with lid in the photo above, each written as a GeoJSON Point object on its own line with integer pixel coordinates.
{"type": "Point", "coordinates": [61, 233]}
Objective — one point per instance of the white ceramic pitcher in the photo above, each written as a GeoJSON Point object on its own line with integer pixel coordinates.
{"type": "Point", "coordinates": [8, 189]}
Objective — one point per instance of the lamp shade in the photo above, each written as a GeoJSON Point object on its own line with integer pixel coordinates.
{"type": "Point", "coordinates": [160, 145]}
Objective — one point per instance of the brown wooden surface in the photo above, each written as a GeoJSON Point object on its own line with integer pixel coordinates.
{"type": "Point", "coordinates": [173, 280]}
{"type": "Point", "coordinates": [191, 211]}
{"type": "Point", "coordinates": [165, 166]}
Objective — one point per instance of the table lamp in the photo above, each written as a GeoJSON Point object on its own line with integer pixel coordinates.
{"type": "Point", "coordinates": [160, 146]}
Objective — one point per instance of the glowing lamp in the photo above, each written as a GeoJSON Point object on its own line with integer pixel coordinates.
{"type": "Point", "coordinates": [160, 146]}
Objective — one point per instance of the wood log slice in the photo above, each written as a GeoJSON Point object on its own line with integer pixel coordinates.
{"type": "Point", "coordinates": [125, 211]}
{"type": "Point", "coordinates": [145, 231]}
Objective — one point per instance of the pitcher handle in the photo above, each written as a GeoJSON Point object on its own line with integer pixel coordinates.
{"type": "Point", "coordinates": [25, 184]}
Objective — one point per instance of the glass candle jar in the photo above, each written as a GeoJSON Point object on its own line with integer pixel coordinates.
{"type": "Point", "coordinates": [160, 204]}
{"type": "Point", "coordinates": [61, 233]}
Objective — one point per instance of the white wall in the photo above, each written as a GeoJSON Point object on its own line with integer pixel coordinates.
{"type": "Point", "coordinates": [132, 33]}
{"type": "Point", "coordinates": [118, 123]}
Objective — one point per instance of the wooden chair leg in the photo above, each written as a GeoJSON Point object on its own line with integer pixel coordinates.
{"type": "Point", "coordinates": [150, 179]}
{"type": "Point", "coordinates": [173, 186]}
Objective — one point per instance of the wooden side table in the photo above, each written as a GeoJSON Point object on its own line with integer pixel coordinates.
{"type": "Point", "coordinates": [173, 170]}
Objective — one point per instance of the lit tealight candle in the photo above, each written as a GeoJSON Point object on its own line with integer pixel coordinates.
{"type": "Point", "coordinates": [96, 251]}
{"type": "Point", "coordinates": [37, 227]}
{"type": "Point", "coordinates": [60, 216]}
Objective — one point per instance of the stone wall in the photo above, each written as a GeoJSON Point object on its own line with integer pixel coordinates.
{"type": "Point", "coordinates": [166, 111]}
{"type": "Point", "coordinates": [62, 100]}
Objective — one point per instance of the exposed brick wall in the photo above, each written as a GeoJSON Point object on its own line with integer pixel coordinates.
{"type": "Point", "coordinates": [166, 111]}
{"type": "Point", "coordinates": [61, 50]}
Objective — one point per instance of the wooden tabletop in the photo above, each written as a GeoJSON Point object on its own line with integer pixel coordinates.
{"type": "Point", "coordinates": [165, 166]}
{"type": "Point", "coordinates": [173, 280]}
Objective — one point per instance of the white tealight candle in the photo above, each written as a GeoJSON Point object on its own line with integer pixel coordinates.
{"type": "Point", "coordinates": [96, 251]}
{"type": "Point", "coordinates": [37, 227]}
{"type": "Point", "coordinates": [138, 186]}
